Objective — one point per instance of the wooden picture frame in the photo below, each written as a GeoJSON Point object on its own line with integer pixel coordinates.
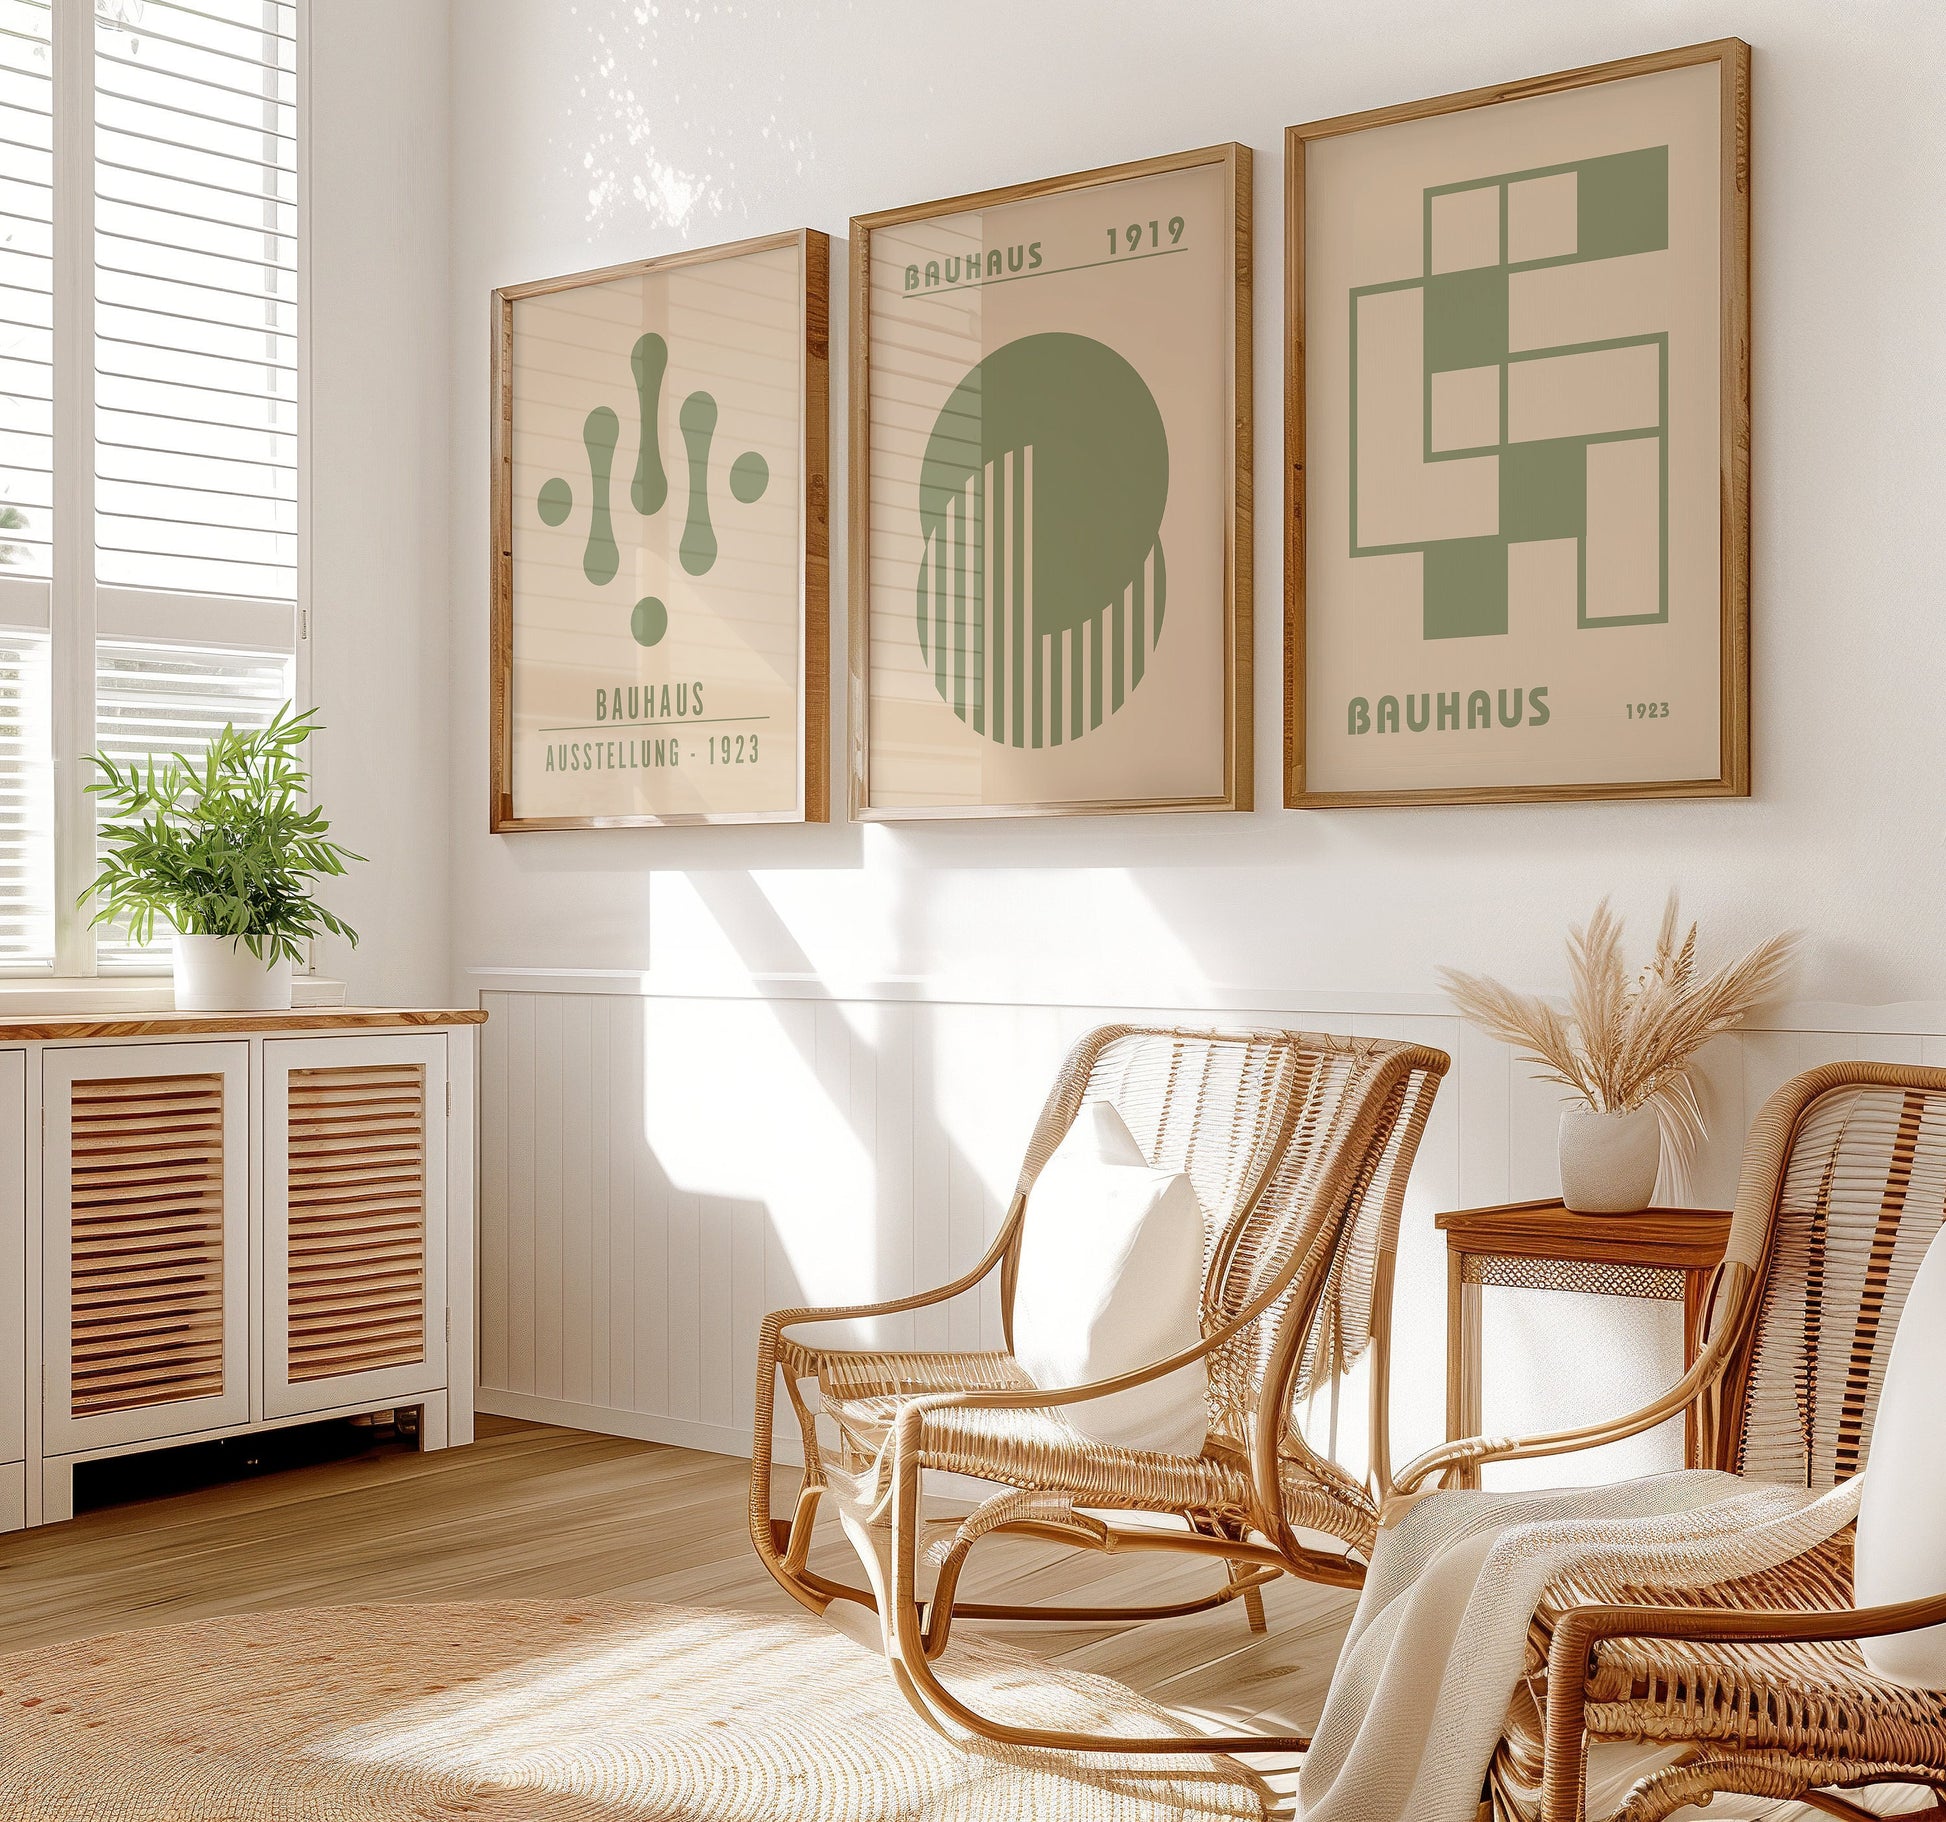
{"type": "Point", "coordinates": [1704, 491]}
{"type": "Point", "coordinates": [995, 774]}
{"type": "Point", "coordinates": [761, 601]}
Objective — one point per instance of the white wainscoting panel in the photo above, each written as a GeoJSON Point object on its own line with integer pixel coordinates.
{"type": "Point", "coordinates": [658, 1171]}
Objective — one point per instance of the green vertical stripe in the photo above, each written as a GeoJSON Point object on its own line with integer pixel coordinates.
{"type": "Point", "coordinates": [942, 610]}
{"type": "Point", "coordinates": [922, 598]}
{"type": "Point", "coordinates": [1138, 655]}
{"type": "Point", "coordinates": [997, 605]}
{"type": "Point", "coordinates": [962, 611]}
{"type": "Point", "coordinates": [1019, 608]}
{"type": "Point", "coordinates": [1161, 595]}
{"type": "Point", "coordinates": [1076, 725]}
{"type": "Point", "coordinates": [1097, 627]}
{"type": "Point", "coordinates": [1118, 656]}
{"type": "Point", "coordinates": [1021, 459]}
{"type": "Point", "coordinates": [1054, 690]}
{"type": "Point", "coordinates": [976, 655]}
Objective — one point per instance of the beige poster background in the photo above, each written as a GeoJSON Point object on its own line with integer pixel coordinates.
{"type": "Point", "coordinates": [1164, 307]}
{"type": "Point", "coordinates": [706, 719]}
{"type": "Point", "coordinates": [1624, 702]}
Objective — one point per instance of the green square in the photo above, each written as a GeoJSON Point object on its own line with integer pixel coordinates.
{"type": "Point", "coordinates": [1544, 489]}
{"type": "Point", "coordinates": [1622, 203]}
{"type": "Point", "coordinates": [1466, 318]}
{"type": "Point", "coordinates": [1465, 588]}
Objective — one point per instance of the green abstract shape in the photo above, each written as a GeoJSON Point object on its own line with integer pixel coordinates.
{"type": "Point", "coordinates": [1544, 489]}
{"type": "Point", "coordinates": [650, 361]}
{"type": "Point", "coordinates": [649, 621]}
{"type": "Point", "coordinates": [1622, 203]}
{"type": "Point", "coordinates": [749, 476]}
{"type": "Point", "coordinates": [698, 420]}
{"type": "Point", "coordinates": [601, 559]}
{"type": "Point", "coordinates": [1465, 586]}
{"type": "Point", "coordinates": [1072, 417]}
{"type": "Point", "coordinates": [1466, 318]}
{"type": "Point", "coordinates": [555, 501]}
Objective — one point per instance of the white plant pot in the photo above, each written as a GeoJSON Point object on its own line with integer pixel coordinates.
{"type": "Point", "coordinates": [1609, 1160]}
{"type": "Point", "coordinates": [219, 974]}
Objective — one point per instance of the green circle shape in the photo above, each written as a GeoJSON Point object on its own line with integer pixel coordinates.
{"type": "Point", "coordinates": [1100, 461]}
{"type": "Point", "coordinates": [556, 501]}
{"type": "Point", "coordinates": [649, 621]}
{"type": "Point", "coordinates": [749, 476]}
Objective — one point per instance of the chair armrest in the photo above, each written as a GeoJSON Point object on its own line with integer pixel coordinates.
{"type": "Point", "coordinates": [1472, 1449]}
{"type": "Point", "coordinates": [1571, 1650]}
{"type": "Point", "coordinates": [1579, 1629]}
{"type": "Point", "coordinates": [778, 1321]}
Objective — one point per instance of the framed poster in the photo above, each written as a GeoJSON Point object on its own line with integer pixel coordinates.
{"type": "Point", "coordinates": [660, 630]}
{"type": "Point", "coordinates": [1050, 534]}
{"type": "Point", "coordinates": [1518, 437]}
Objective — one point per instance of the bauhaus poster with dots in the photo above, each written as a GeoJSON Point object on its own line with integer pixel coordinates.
{"type": "Point", "coordinates": [1519, 441]}
{"type": "Point", "coordinates": [1050, 550]}
{"type": "Point", "coordinates": [660, 615]}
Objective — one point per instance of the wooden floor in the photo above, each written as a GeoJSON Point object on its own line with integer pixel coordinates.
{"type": "Point", "coordinates": [532, 1510]}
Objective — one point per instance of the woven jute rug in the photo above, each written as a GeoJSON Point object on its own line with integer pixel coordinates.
{"type": "Point", "coordinates": [553, 1712]}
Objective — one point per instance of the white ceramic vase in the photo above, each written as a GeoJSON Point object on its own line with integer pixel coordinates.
{"type": "Point", "coordinates": [1609, 1160]}
{"type": "Point", "coordinates": [219, 974]}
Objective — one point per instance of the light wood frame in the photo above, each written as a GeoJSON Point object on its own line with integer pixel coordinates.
{"type": "Point", "coordinates": [1732, 56]}
{"type": "Point", "coordinates": [814, 616]}
{"type": "Point", "coordinates": [1238, 748]}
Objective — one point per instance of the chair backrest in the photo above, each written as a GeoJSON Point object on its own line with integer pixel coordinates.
{"type": "Point", "coordinates": [1843, 1189]}
{"type": "Point", "coordinates": [1298, 1145]}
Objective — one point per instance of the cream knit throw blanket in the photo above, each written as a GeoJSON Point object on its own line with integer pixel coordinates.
{"type": "Point", "coordinates": [1437, 1646]}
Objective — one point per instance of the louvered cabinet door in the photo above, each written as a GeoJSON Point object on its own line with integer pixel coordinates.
{"type": "Point", "coordinates": [147, 1252]}
{"type": "Point", "coordinates": [354, 1220]}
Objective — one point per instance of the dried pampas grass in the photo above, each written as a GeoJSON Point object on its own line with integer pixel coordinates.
{"type": "Point", "coordinates": [1625, 1042]}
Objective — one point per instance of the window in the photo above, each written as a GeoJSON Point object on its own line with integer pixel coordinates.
{"type": "Point", "coordinates": [150, 582]}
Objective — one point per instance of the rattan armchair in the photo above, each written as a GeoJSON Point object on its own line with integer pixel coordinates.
{"type": "Point", "coordinates": [1756, 1684]}
{"type": "Point", "coordinates": [1298, 1146]}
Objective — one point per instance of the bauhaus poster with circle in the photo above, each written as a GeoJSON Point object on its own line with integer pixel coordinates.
{"type": "Point", "coordinates": [1050, 392]}
{"type": "Point", "coordinates": [659, 527]}
{"type": "Point", "coordinates": [1520, 320]}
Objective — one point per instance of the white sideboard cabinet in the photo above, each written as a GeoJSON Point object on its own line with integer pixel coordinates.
{"type": "Point", "coordinates": [214, 1224]}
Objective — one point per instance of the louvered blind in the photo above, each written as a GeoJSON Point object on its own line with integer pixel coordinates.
{"type": "Point", "coordinates": [196, 296]}
{"type": "Point", "coordinates": [26, 287]}
{"type": "Point", "coordinates": [356, 1219]}
{"type": "Point", "coordinates": [26, 800]}
{"type": "Point", "coordinates": [170, 699]}
{"type": "Point", "coordinates": [146, 1238]}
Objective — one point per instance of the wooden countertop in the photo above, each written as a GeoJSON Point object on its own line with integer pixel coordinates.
{"type": "Point", "coordinates": [1687, 1239]}
{"type": "Point", "coordinates": [44, 1027]}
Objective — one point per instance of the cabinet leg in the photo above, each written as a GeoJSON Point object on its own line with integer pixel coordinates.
{"type": "Point", "coordinates": [432, 1423]}
{"type": "Point", "coordinates": [13, 1496]}
{"type": "Point", "coordinates": [57, 1492]}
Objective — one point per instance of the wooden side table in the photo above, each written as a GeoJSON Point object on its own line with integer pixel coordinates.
{"type": "Point", "coordinates": [1662, 1253]}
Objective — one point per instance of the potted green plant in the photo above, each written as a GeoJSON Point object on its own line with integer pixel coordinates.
{"type": "Point", "coordinates": [223, 851]}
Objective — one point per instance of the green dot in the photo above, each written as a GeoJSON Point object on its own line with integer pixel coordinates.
{"type": "Point", "coordinates": [649, 621]}
{"type": "Point", "coordinates": [557, 497]}
{"type": "Point", "coordinates": [749, 476]}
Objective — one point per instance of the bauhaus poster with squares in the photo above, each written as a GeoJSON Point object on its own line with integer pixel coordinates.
{"type": "Point", "coordinates": [1519, 532]}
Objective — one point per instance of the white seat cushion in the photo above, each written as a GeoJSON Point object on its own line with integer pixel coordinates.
{"type": "Point", "coordinates": [1110, 1281]}
{"type": "Point", "coordinates": [1900, 1554]}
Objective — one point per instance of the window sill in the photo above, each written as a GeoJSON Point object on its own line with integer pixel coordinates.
{"type": "Point", "coordinates": [21, 998]}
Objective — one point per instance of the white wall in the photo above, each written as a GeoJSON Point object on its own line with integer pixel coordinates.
{"type": "Point", "coordinates": [379, 529]}
{"type": "Point", "coordinates": [587, 131]}
{"type": "Point", "coordinates": [590, 131]}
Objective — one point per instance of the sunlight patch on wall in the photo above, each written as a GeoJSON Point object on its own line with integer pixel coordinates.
{"type": "Point", "coordinates": [738, 1105]}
